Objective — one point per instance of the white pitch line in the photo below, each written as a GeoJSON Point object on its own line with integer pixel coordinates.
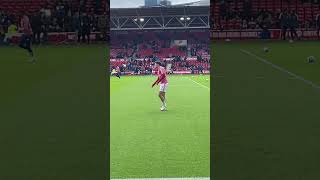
{"type": "Point", "coordinates": [184, 86]}
{"type": "Point", "coordinates": [198, 83]}
{"type": "Point", "coordinates": [281, 69]}
{"type": "Point", "coordinates": [194, 178]}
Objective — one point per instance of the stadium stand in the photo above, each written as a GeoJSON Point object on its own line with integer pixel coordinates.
{"type": "Point", "coordinates": [31, 6]}
{"type": "Point", "coordinates": [247, 14]}
{"type": "Point", "coordinates": [136, 51]}
{"type": "Point", "coordinates": [55, 16]}
{"type": "Point", "coordinates": [265, 19]}
{"type": "Point", "coordinates": [178, 36]}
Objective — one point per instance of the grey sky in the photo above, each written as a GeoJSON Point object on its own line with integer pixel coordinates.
{"type": "Point", "coordinates": [136, 3]}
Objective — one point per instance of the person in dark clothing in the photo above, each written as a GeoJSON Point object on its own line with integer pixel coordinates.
{"type": "Point", "coordinates": [2, 35]}
{"type": "Point", "coordinates": [85, 24]}
{"type": "Point", "coordinates": [98, 6]}
{"type": "Point", "coordinates": [247, 9]}
{"type": "Point", "coordinates": [26, 38]}
{"type": "Point", "coordinates": [76, 25]}
{"type": "Point", "coordinates": [102, 24]}
{"type": "Point", "coordinates": [318, 25]}
{"type": "Point", "coordinates": [284, 19]}
{"type": "Point", "coordinates": [223, 9]}
{"type": "Point", "coordinates": [36, 25]}
{"type": "Point", "coordinates": [293, 24]}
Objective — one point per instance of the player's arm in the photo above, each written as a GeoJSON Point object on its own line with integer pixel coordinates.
{"type": "Point", "coordinates": [155, 82]}
{"type": "Point", "coordinates": [162, 76]}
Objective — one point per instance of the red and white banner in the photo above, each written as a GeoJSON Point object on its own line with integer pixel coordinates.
{"type": "Point", "coordinates": [61, 37]}
{"type": "Point", "coordinates": [180, 43]}
{"type": "Point", "coordinates": [189, 72]}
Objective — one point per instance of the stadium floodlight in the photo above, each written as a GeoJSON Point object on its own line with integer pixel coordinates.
{"type": "Point", "coordinates": [185, 18]}
{"type": "Point", "coordinates": [141, 19]}
{"type": "Point", "coordinates": [135, 19]}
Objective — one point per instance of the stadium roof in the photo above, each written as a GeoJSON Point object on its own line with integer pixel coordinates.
{"type": "Point", "coordinates": [157, 11]}
{"type": "Point", "coordinates": [171, 17]}
{"type": "Point", "coordinates": [196, 3]}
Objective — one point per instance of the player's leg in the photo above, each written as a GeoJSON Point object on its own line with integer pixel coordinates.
{"type": "Point", "coordinates": [38, 38]}
{"type": "Point", "coordinates": [44, 32]}
{"type": "Point", "coordinates": [22, 42]}
{"type": "Point", "coordinates": [281, 34]}
{"type": "Point", "coordinates": [294, 34]}
{"type": "Point", "coordinates": [83, 37]}
{"type": "Point", "coordinates": [29, 47]}
{"type": "Point", "coordinates": [104, 34]}
{"type": "Point", "coordinates": [164, 99]}
{"type": "Point", "coordinates": [25, 43]}
{"type": "Point", "coordinates": [291, 33]}
{"type": "Point", "coordinates": [162, 96]}
{"type": "Point", "coordinates": [118, 74]}
{"type": "Point", "coordinates": [284, 33]}
{"type": "Point", "coordinates": [34, 37]}
{"type": "Point", "coordinates": [7, 39]}
{"type": "Point", "coordinates": [88, 36]}
{"type": "Point", "coordinates": [79, 36]}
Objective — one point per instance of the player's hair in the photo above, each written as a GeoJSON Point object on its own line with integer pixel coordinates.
{"type": "Point", "coordinates": [158, 62]}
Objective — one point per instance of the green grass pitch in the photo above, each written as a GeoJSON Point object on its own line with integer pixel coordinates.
{"type": "Point", "coordinates": [53, 113]}
{"type": "Point", "coordinates": [266, 120]}
{"type": "Point", "coordinates": [148, 143]}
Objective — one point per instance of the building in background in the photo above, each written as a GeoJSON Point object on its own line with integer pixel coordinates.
{"type": "Point", "coordinates": [149, 3]}
{"type": "Point", "coordinates": [153, 3]}
{"type": "Point", "coordinates": [165, 3]}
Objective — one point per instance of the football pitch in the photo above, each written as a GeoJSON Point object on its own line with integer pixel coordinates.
{"type": "Point", "coordinates": [53, 113]}
{"type": "Point", "coordinates": [266, 110]}
{"type": "Point", "coordinates": [148, 143]}
{"type": "Point", "coordinates": [266, 116]}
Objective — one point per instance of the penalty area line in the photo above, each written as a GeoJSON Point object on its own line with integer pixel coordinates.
{"type": "Point", "coordinates": [281, 69]}
{"type": "Point", "coordinates": [192, 178]}
{"type": "Point", "coordinates": [198, 83]}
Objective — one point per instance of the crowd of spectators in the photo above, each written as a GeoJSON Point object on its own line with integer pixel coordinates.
{"type": "Point", "coordinates": [58, 16]}
{"type": "Point", "coordinates": [146, 66]}
{"type": "Point", "coordinates": [137, 55]}
{"type": "Point", "coordinates": [262, 18]}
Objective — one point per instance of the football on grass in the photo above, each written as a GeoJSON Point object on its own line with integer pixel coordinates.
{"type": "Point", "coordinates": [311, 59]}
